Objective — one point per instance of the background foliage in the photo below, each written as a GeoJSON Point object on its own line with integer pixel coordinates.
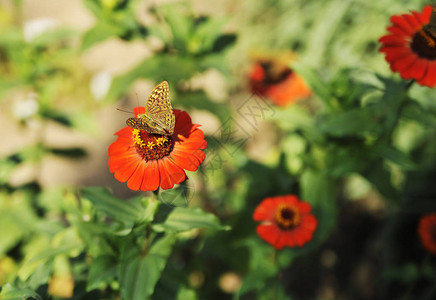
{"type": "Point", "coordinates": [361, 150]}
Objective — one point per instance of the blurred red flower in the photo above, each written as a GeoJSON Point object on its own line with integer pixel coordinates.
{"type": "Point", "coordinates": [410, 47]}
{"type": "Point", "coordinates": [271, 77]}
{"type": "Point", "coordinates": [286, 221]}
{"type": "Point", "coordinates": [427, 232]}
{"type": "Point", "coordinates": [147, 161]}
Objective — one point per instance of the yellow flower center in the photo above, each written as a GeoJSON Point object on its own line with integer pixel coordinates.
{"type": "Point", "coordinates": [152, 146]}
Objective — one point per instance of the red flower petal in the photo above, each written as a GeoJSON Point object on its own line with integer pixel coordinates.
{"type": "Point", "coordinates": [402, 24]}
{"type": "Point", "coordinates": [270, 233]}
{"type": "Point", "coordinates": [135, 181]}
{"type": "Point", "coordinates": [413, 22]}
{"type": "Point", "coordinates": [266, 210]}
{"type": "Point", "coordinates": [139, 110]}
{"type": "Point", "coordinates": [170, 174]}
{"type": "Point", "coordinates": [430, 78]}
{"type": "Point", "coordinates": [427, 232]}
{"type": "Point", "coordinates": [393, 41]}
{"type": "Point", "coordinates": [151, 177]}
{"type": "Point", "coordinates": [404, 64]}
{"type": "Point", "coordinates": [419, 69]}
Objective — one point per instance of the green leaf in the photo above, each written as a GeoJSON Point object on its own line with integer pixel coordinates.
{"type": "Point", "coordinates": [394, 155]}
{"type": "Point", "coordinates": [313, 80]}
{"type": "Point", "coordinates": [353, 122]}
{"type": "Point", "coordinates": [414, 111]}
{"type": "Point", "coordinates": [126, 212]}
{"type": "Point", "coordinates": [74, 152]}
{"type": "Point", "coordinates": [40, 275]}
{"type": "Point", "coordinates": [176, 197]}
{"type": "Point", "coordinates": [320, 192]}
{"type": "Point", "coordinates": [261, 267]}
{"type": "Point", "coordinates": [292, 118]}
{"type": "Point", "coordinates": [10, 233]}
{"type": "Point", "coordinates": [380, 177]}
{"type": "Point", "coordinates": [138, 273]}
{"type": "Point", "coordinates": [206, 33]}
{"type": "Point", "coordinates": [103, 269]}
{"type": "Point", "coordinates": [7, 166]}
{"type": "Point", "coordinates": [94, 6]}
{"type": "Point", "coordinates": [186, 294]}
{"type": "Point", "coordinates": [10, 292]}
{"type": "Point", "coordinates": [57, 116]}
{"type": "Point", "coordinates": [98, 33]}
{"type": "Point", "coordinates": [180, 25]}
{"type": "Point", "coordinates": [223, 42]}
{"type": "Point", "coordinates": [327, 21]}
{"type": "Point", "coordinates": [185, 218]}
{"type": "Point", "coordinates": [341, 161]}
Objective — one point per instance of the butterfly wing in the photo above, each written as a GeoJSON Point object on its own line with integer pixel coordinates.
{"type": "Point", "coordinates": [159, 109]}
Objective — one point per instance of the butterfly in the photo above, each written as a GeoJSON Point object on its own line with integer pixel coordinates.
{"type": "Point", "coordinates": [430, 28]}
{"type": "Point", "coordinates": [158, 117]}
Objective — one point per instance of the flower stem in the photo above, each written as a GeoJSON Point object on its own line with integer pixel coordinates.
{"type": "Point", "coordinates": [409, 84]}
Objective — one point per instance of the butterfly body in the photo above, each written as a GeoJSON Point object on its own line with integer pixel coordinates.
{"type": "Point", "coordinates": [158, 117]}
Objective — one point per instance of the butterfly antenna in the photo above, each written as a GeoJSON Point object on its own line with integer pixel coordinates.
{"type": "Point", "coordinates": [137, 99]}
{"type": "Point", "coordinates": [129, 112]}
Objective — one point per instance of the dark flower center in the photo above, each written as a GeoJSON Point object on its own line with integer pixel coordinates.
{"type": "Point", "coordinates": [287, 216]}
{"type": "Point", "coordinates": [274, 72]}
{"type": "Point", "coordinates": [424, 43]}
{"type": "Point", "coordinates": [152, 146]}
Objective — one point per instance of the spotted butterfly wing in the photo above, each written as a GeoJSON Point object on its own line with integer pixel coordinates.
{"type": "Point", "coordinates": [158, 117]}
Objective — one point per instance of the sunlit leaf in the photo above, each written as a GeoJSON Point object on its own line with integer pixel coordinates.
{"type": "Point", "coordinates": [10, 292]}
{"type": "Point", "coordinates": [127, 212]}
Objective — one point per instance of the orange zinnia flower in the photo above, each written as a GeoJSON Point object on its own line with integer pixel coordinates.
{"type": "Point", "coordinates": [147, 161]}
{"type": "Point", "coordinates": [410, 47]}
{"type": "Point", "coordinates": [427, 232]}
{"type": "Point", "coordinates": [286, 221]}
{"type": "Point", "coordinates": [271, 77]}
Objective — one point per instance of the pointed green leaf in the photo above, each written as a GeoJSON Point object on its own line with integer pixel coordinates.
{"type": "Point", "coordinates": [98, 33]}
{"type": "Point", "coordinates": [139, 274]}
{"type": "Point", "coordinates": [320, 192]}
{"type": "Point", "coordinates": [353, 122]}
{"type": "Point", "coordinates": [10, 292]}
{"type": "Point", "coordinates": [103, 269]}
{"type": "Point", "coordinates": [381, 178]}
{"type": "Point", "coordinates": [126, 212]}
{"type": "Point", "coordinates": [185, 218]}
{"type": "Point", "coordinates": [396, 156]}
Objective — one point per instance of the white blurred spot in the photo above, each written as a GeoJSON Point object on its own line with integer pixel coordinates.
{"type": "Point", "coordinates": [25, 108]}
{"type": "Point", "coordinates": [35, 28]}
{"type": "Point", "coordinates": [100, 84]}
